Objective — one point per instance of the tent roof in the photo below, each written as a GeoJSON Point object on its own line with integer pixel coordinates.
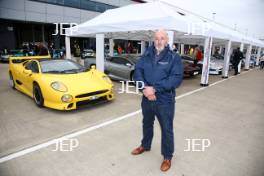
{"type": "Point", "coordinates": [138, 21]}
{"type": "Point", "coordinates": [136, 17]}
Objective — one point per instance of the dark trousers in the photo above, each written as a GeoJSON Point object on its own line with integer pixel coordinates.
{"type": "Point", "coordinates": [195, 62]}
{"type": "Point", "coordinates": [261, 65]}
{"type": "Point", "coordinates": [165, 115]}
{"type": "Point", "coordinates": [236, 68]}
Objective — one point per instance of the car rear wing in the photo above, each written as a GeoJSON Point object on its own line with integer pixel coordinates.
{"type": "Point", "coordinates": [21, 59]}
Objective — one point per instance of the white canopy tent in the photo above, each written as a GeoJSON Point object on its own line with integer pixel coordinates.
{"type": "Point", "coordinates": [138, 21]}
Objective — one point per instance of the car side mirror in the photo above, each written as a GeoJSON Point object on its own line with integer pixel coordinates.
{"type": "Point", "coordinates": [28, 72]}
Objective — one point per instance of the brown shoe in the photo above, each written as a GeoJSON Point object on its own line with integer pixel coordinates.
{"type": "Point", "coordinates": [165, 165]}
{"type": "Point", "coordinates": [138, 150]}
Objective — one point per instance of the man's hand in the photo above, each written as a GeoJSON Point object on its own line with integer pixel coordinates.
{"type": "Point", "coordinates": [149, 92]}
{"type": "Point", "coordinates": [152, 98]}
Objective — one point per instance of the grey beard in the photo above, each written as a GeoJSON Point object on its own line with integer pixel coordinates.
{"type": "Point", "coordinates": [159, 50]}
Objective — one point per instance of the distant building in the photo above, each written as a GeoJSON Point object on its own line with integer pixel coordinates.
{"type": "Point", "coordinates": [27, 21]}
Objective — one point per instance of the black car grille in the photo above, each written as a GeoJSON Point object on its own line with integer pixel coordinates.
{"type": "Point", "coordinates": [91, 93]}
{"type": "Point", "coordinates": [91, 102]}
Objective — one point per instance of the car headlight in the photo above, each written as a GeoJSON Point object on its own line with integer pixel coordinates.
{"type": "Point", "coordinates": [107, 79]}
{"type": "Point", "coordinates": [66, 98]}
{"type": "Point", "coordinates": [59, 86]}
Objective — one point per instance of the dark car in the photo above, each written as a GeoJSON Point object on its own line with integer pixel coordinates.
{"type": "Point", "coordinates": [12, 53]}
{"type": "Point", "coordinates": [190, 69]}
{"type": "Point", "coordinates": [188, 59]}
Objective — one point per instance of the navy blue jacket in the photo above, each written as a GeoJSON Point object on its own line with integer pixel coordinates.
{"type": "Point", "coordinates": [164, 72]}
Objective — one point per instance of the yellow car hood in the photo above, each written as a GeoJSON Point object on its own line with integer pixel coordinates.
{"type": "Point", "coordinates": [79, 83]}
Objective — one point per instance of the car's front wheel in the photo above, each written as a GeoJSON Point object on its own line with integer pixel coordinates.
{"type": "Point", "coordinates": [37, 95]}
{"type": "Point", "coordinates": [11, 81]}
{"type": "Point", "coordinates": [132, 76]}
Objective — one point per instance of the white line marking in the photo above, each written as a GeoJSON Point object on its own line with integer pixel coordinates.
{"type": "Point", "coordinates": [74, 134]}
{"type": "Point", "coordinates": [189, 93]}
{"type": "Point", "coordinates": [86, 130]}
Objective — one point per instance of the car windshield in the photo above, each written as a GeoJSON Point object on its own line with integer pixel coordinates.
{"type": "Point", "coordinates": [187, 58]}
{"type": "Point", "coordinates": [185, 63]}
{"type": "Point", "coordinates": [61, 66]}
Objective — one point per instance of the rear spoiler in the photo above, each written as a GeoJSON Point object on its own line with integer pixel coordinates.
{"type": "Point", "coordinates": [21, 59]}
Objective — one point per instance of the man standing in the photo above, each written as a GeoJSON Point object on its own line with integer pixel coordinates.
{"type": "Point", "coordinates": [238, 56]}
{"type": "Point", "coordinates": [161, 71]}
{"type": "Point", "coordinates": [261, 62]}
{"type": "Point", "coordinates": [43, 50]}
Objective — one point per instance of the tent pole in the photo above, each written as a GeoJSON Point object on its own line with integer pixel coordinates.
{"type": "Point", "coordinates": [111, 47]}
{"type": "Point", "coordinates": [182, 48]}
{"type": "Point", "coordinates": [213, 49]}
{"type": "Point", "coordinates": [220, 49]}
{"type": "Point", "coordinates": [100, 52]}
{"type": "Point", "coordinates": [226, 59]}
{"type": "Point", "coordinates": [206, 61]}
{"type": "Point", "coordinates": [241, 49]}
{"type": "Point", "coordinates": [150, 43]}
{"type": "Point", "coordinates": [171, 38]}
{"type": "Point", "coordinates": [143, 47]}
{"type": "Point", "coordinates": [68, 47]}
{"type": "Point", "coordinates": [249, 48]}
{"type": "Point", "coordinates": [258, 56]}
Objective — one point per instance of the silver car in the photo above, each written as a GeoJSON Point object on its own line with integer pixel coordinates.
{"type": "Point", "coordinates": [87, 53]}
{"type": "Point", "coordinates": [116, 67]}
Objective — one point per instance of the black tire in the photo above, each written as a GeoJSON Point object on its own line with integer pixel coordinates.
{"type": "Point", "coordinates": [106, 72]}
{"type": "Point", "coordinates": [37, 95]}
{"type": "Point", "coordinates": [11, 81]}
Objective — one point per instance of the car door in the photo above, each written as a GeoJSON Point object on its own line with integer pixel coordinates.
{"type": "Point", "coordinates": [120, 67]}
{"type": "Point", "coordinates": [27, 79]}
{"type": "Point", "coordinates": [107, 65]}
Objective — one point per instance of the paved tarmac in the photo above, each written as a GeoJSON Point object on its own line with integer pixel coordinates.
{"type": "Point", "coordinates": [228, 114]}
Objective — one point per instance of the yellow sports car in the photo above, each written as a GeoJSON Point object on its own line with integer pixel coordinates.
{"type": "Point", "coordinates": [59, 83]}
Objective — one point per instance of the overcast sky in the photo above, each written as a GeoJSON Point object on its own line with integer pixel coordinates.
{"type": "Point", "coordinates": [247, 14]}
